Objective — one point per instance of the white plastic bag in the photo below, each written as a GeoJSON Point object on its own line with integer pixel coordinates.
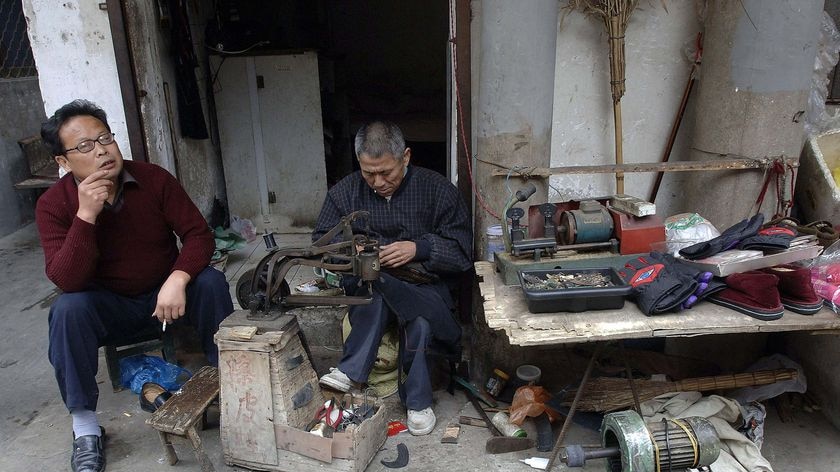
{"type": "Point", "coordinates": [685, 229]}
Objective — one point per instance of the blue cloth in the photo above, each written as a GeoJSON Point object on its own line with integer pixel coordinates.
{"type": "Point", "coordinates": [428, 210]}
{"type": "Point", "coordinates": [81, 322]}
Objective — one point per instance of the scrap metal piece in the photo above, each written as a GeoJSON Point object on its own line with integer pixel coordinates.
{"type": "Point", "coordinates": [400, 461]}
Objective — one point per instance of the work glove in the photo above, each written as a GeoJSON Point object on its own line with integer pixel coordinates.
{"type": "Point", "coordinates": [727, 240]}
{"type": "Point", "coordinates": [774, 238]}
{"type": "Point", "coordinates": [707, 284]}
{"type": "Point", "coordinates": [659, 286]}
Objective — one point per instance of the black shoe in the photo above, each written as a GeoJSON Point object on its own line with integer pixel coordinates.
{"type": "Point", "coordinates": [153, 396]}
{"type": "Point", "coordinates": [88, 453]}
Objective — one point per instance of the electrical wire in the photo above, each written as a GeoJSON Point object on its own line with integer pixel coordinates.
{"type": "Point", "coordinates": [241, 51]}
{"type": "Point", "coordinates": [458, 106]}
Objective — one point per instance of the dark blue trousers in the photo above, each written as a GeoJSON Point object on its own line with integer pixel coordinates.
{"type": "Point", "coordinates": [424, 313]}
{"type": "Point", "coordinates": [81, 322]}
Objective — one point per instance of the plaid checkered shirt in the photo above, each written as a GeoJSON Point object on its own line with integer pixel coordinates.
{"type": "Point", "coordinates": [426, 208]}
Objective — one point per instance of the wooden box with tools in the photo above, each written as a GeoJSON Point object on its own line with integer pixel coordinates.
{"type": "Point", "coordinates": [269, 393]}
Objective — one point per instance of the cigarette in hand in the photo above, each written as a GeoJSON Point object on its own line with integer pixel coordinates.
{"type": "Point", "coordinates": [164, 326]}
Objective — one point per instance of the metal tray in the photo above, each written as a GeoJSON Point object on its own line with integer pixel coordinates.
{"type": "Point", "coordinates": [575, 299]}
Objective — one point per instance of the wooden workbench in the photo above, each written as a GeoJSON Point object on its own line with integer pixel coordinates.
{"type": "Point", "coordinates": [505, 308]}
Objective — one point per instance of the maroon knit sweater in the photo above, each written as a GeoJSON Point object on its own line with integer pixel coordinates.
{"type": "Point", "coordinates": [129, 251]}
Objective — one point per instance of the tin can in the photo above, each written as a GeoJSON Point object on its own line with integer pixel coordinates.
{"type": "Point", "coordinates": [502, 422]}
{"type": "Point", "coordinates": [496, 383]}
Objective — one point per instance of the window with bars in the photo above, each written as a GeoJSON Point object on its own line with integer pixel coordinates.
{"type": "Point", "coordinates": [16, 59]}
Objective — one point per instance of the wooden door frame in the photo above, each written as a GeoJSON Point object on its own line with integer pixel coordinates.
{"type": "Point", "coordinates": [128, 81]}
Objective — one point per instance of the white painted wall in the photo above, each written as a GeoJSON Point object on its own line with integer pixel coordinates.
{"type": "Point", "coordinates": [657, 70]}
{"type": "Point", "coordinates": [71, 43]}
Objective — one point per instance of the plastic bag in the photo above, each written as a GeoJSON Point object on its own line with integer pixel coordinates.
{"type": "Point", "coordinates": [139, 369]}
{"type": "Point", "coordinates": [244, 227]}
{"type": "Point", "coordinates": [825, 276]}
{"type": "Point", "coordinates": [817, 118]}
{"type": "Point", "coordinates": [685, 229]}
{"type": "Point", "coordinates": [530, 401]}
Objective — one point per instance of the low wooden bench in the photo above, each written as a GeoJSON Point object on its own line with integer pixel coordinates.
{"type": "Point", "coordinates": [180, 414]}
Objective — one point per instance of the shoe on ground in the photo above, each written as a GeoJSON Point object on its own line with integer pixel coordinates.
{"type": "Point", "coordinates": [153, 396]}
{"type": "Point", "coordinates": [421, 422]}
{"type": "Point", "coordinates": [336, 380]}
{"type": "Point", "coordinates": [88, 453]}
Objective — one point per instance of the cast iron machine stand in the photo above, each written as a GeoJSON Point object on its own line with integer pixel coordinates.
{"type": "Point", "coordinates": [265, 292]}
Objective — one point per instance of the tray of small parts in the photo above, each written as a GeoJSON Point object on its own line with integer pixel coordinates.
{"type": "Point", "coordinates": [573, 290]}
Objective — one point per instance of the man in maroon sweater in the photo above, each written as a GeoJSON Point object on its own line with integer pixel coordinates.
{"type": "Point", "coordinates": [108, 229]}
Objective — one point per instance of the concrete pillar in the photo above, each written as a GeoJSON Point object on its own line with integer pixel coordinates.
{"type": "Point", "coordinates": [758, 57]}
{"type": "Point", "coordinates": [515, 99]}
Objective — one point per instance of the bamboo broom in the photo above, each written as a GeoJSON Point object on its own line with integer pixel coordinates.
{"type": "Point", "coordinates": [605, 394]}
{"type": "Point", "coordinates": [615, 14]}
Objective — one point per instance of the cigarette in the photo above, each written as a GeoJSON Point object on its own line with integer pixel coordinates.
{"type": "Point", "coordinates": [164, 326]}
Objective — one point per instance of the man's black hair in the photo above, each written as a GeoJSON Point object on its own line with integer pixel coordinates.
{"type": "Point", "coordinates": [378, 138]}
{"type": "Point", "coordinates": [78, 107]}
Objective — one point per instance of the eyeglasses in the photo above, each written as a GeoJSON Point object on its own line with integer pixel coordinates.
{"type": "Point", "coordinates": [87, 145]}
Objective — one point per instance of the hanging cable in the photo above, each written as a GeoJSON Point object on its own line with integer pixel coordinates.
{"type": "Point", "coordinates": [457, 90]}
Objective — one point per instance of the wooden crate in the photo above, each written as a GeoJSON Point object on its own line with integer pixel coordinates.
{"type": "Point", "coordinates": [269, 392]}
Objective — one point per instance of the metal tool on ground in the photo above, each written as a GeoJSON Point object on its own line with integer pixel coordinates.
{"type": "Point", "coordinates": [631, 445]}
{"type": "Point", "coordinates": [400, 461]}
{"type": "Point", "coordinates": [472, 389]}
{"type": "Point", "coordinates": [265, 292]}
{"type": "Point", "coordinates": [498, 444]}
{"type": "Point", "coordinates": [469, 420]}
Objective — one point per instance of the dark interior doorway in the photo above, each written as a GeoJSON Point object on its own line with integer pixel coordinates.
{"type": "Point", "coordinates": [377, 59]}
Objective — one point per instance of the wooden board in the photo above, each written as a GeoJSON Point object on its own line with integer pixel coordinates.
{"type": "Point", "coordinates": [246, 401]}
{"type": "Point", "coordinates": [184, 408]}
{"type": "Point", "coordinates": [506, 309]}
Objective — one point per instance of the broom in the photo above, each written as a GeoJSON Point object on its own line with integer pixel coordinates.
{"type": "Point", "coordinates": [615, 14]}
{"type": "Point", "coordinates": [605, 394]}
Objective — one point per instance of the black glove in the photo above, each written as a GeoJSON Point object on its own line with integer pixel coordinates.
{"type": "Point", "coordinates": [774, 238]}
{"type": "Point", "coordinates": [658, 285]}
{"type": "Point", "coordinates": [727, 240]}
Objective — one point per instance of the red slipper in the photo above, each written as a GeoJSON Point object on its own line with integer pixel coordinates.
{"type": "Point", "coordinates": [753, 293]}
{"type": "Point", "coordinates": [795, 288]}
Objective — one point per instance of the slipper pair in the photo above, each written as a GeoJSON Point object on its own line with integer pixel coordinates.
{"type": "Point", "coordinates": [764, 294]}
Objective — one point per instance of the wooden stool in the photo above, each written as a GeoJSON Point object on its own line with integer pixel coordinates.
{"type": "Point", "coordinates": [179, 415]}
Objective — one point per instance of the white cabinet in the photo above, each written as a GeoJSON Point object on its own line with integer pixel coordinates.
{"type": "Point", "coordinates": [269, 114]}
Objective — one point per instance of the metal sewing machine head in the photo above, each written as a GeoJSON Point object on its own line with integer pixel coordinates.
{"type": "Point", "coordinates": [265, 292]}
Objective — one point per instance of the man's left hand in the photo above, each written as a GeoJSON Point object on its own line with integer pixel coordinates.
{"type": "Point", "coordinates": [172, 297]}
{"type": "Point", "coordinates": [397, 253]}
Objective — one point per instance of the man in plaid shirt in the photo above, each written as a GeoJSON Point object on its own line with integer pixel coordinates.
{"type": "Point", "coordinates": [423, 227]}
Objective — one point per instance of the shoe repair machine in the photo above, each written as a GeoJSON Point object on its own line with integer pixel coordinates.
{"type": "Point", "coordinates": [590, 233]}
{"type": "Point", "coordinates": [265, 292]}
{"type": "Point", "coordinates": [631, 445]}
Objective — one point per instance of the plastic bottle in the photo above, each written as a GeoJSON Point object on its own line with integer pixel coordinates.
{"type": "Point", "coordinates": [496, 383]}
{"type": "Point", "coordinates": [502, 421]}
{"type": "Point", "coordinates": [495, 242]}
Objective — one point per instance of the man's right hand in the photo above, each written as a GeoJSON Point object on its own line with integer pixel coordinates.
{"type": "Point", "coordinates": [93, 193]}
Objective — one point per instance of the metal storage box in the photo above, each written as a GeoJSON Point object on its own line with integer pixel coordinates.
{"type": "Point", "coordinates": [578, 298]}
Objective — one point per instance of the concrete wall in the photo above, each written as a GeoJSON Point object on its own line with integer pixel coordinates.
{"type": "Point", "coordinates": [21, 101]}
{"type": "Point", "coordinates": [657, 71]}
{"type": "Point", "coordinates": [74, 54]}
